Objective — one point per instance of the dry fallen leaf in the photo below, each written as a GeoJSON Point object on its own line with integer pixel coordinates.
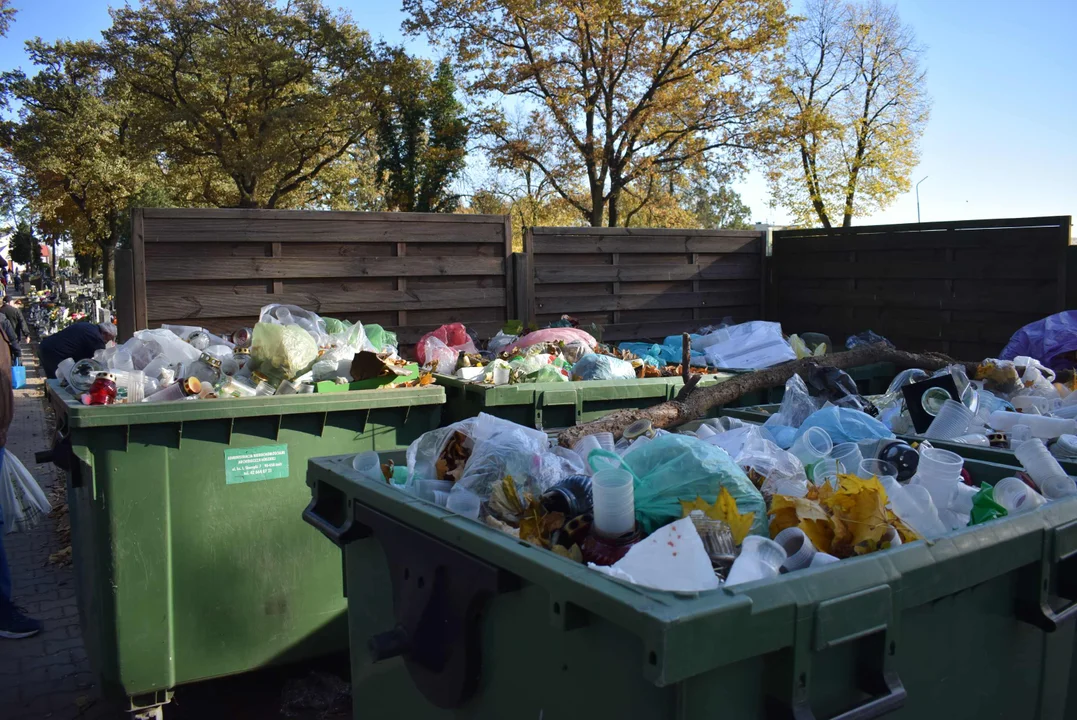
{"type": "Point", "coordinates": [861, 506]}
{"type": "Point", "coordinates": [725, 509]}
{"type": "Point", "coordinates": [573, 553]}
{"type": "Point", "coordinates": [808, 515]}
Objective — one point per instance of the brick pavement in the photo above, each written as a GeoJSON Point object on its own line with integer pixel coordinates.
{"type": "Point", "coordinates": [46, 677]}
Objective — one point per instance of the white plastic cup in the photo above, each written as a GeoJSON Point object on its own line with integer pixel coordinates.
{"type": "Point", "coordinates": [848, 456]}
{"type": "Point", "coordinates": [892, 537]}
{"type": "Point", "coordinates": [1057, 487]}
{"type": "Point", "coordinates": [1017, 497]}
{"type": "Point", "coordinates": [501, 376]}
{"type": "Point", "coordinates": [1037, 460]}
{"type": "Point", "coordinates": [1065, 447]}
{"type": "Point", "coordinates": [812, 446]}
{"type": "Point", "coordinates": [605, 441]}
{"type": "Point", "coordinates": [1030, 404]}
{"type": "Point", "coordinates": [425, 489]}
{"type": "Point", "coordinates": [759, 559]}
{"type": "Point", "coordinates": [952, 421]}
{"type": "Point", "coordinates": [798, 548]}
{"type": "Point", "coordinates": [368, 464]}
{"type": "Point", "coordinates": [441, 497]}
{"type": "Point", "coordinates": [826, 471]}
{"type": "Point", "coordinates": [1018, 435]}
{"type": "Point", "coordinates": [1043, 427]}
{"type": "Point", "coordinates": [614, 502]}
{"type": "Point", "coordinates": [705, 431]}
{"type": "Point", "coordinates": [464, 502]}
{"type": "Point", "coordinates": [974, 439]}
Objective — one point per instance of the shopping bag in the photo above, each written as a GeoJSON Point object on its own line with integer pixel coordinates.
{"type": "Point", "coordinates": [18, 375]}
{"type": "Point", "coordinates": [24, 503]}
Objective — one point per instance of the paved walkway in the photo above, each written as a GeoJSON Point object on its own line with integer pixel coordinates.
{"type": "Point", "coordinates": [46, 677]}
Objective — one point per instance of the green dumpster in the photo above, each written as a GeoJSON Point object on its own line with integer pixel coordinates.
{"type": "Point", "coordinates": [558, 404]}
{"type": "Point", "coordinates": [190, 556]}
{"type": "Point", "coordinates": [451, 619]}
{"type": "Point", "coordinates": [1000, 456]}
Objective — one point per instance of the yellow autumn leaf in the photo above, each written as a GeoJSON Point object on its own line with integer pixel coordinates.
{"type": "Point", "coordinates": [861, 506]}
{"type": "Point", "coordinates": [807, 514]}
{"type": "Point", "coordinates": [724, 509]}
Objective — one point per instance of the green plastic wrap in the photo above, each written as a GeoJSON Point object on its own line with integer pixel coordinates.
{"type": "Point", "coordinates": [984, 507]}
{"type": "Point", "coordinates": [672, 468]}
{"type": "Point", "coordinates": [383, 340]}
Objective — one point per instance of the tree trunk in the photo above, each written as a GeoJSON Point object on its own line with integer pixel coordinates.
{"type": "Point", "coordinates": [615, 208]}
{"type": "Point", "coordinates": [696, 404]}
{"type": "Point", "coordinates": [108, 267]}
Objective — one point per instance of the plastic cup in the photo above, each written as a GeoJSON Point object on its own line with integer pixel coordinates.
{"type": "Point", "coordinates": [1065, 447]}
{"type": "Point", "coordinates": [1017, 497]}
{"type": "Point", "coordinates": [1018, 435]}
{"type": "Point", "coordinates": [1037, 460]}
{"type": "Point", "coordinates": [614, 503]}
{"type": "Point", "coordinates": [826, 471]}
{"type": "Point", "coordinates": [1057, 487]}
{"type": "Point", "coordinates": [501, 376]}
{"type": "Point", "coordinates": [705, 431]}
{"type": "Point", "coordinates": [425, 489]}
{"type": "Point", "coordinates": [952, 421]}
{"type": "Point", "coordinates": [941, 464]}
{"type": "Point", "coordinates": [847, 456]}
{"type": "Point", "coordinates": [464, 502]}
{"type": "Point", "coordinates": [819, 559]}
{"type": "Point", "coordinates": [584, 446]}
{"type": "Point", "coordinates": [759, 559]}
{"type": "Point", "coordinates": [605, 441]}
{"type": "Point", "coordinates": [798, 548]}
{"type": "Point", "coordinates": [812, 446]}
{"type": "Point", "coordinates": [874, 467]}
{"type": "Point", "coordinates": [368, 464]}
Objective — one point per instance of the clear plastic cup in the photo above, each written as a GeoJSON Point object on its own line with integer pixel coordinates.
{"type": "Point", "coordinates": [941, 464]}
{"type": "Point", "coordinates": [847, 456]}
{"type": "Point", "coordinates": [605, 440]}
{"type": "Point", "coordinates": [1018, 435]}
{"type": "Point", "coordinates": [759, 559]}
{"type": "Point", "coordinates": [614, 502]}
{"type": "Point", "coordinates": [813, 445]}
{"type": "Point", "coordinates": [1057, 487]}
{"type": "Point", "coordinates": [952, 421]}
{"type": "Point", "coordinates": [873, 467]}
{"type": "Point", "coordinates": [425, 489]}
{"type": "Point", "coordinates": [464, 502]}
{"type": "Point", "coordinates": [584, 446]}
{"type": "Point", "coordinates": [368, 465]}
{"type": "Point", "coordinates": [1037, 460]}
{"type": "Point", "coordinates": [1017, 497]}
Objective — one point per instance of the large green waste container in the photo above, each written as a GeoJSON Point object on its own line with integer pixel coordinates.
{"type": "Point", "coordinates": [1000, 456]}
{"type": "Point", "coordinates": [191, 559]}
{"type": "Point", "coordinates": [558, 404]}
{"type": "Point", "coordinates": [451, 619]}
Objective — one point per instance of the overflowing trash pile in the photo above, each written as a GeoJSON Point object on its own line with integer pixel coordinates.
{"type": "Point", "coordinates": [566, 353]}
{"type": "Point", "coordinates": [289, 351]}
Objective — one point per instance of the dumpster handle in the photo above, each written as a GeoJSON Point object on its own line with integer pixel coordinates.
{"type": "Point", "coordinates": [326, 497]}
{"type": "Point", "coordinates": [1040, 613]}
{"type": "Point", "coordinates": [876, 707]}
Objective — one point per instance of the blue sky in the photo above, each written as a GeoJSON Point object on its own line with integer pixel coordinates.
{"type": "Point", "coordinates": [1001, 142]}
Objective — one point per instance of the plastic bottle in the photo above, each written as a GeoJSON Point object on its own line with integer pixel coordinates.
{"type": "Point", "coordinates": [759, 559]}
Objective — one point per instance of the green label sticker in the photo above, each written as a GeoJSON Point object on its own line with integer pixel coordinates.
{"type": "Point", "coordinates": [268, 462]}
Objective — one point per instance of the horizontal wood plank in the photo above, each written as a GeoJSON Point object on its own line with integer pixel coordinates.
{"type": "Point", "coordinates": [1047, 221]}
{"type": "Point", "coordinates": [631, 244]}
{"type": "Point", "coordinates": [205, 230]}
{"type": "Point", "coordinates": [292, 216]}
{"type": "Point", "coordinates": [598, 303]}
{"type": "Point", "coordinates": [723, 268]}
{"type": "Point", "coordinates": [544, 232]}
{"type": "Point", "coordinates": [210, 305]}
{"type": "Point", "coordinates": [167, 268]}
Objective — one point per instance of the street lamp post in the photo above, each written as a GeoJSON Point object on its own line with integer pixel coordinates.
{"type": "Point", "coordinates": [918, 199]}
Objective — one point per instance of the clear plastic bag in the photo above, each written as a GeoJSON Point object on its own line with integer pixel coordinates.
{"type": "Point", "coordinates": [756, 344]}
{"type": "Point", "coordinates": [288, 348]}
{"type": "Point", "coordinates": [500, 341]}
{"type": "Point", "coordinates": [24, 503]}
{"type": "Point", "coordinates": [278, 314]}
{"type": "Point", "coordinates": [602, 367]}
{"type": "Point", "coordinates": [672, 468]}
{"type": "Point", "coordinates": [453, 335]}
{"type": "Point", "coordinates": [783, 471]}
{"type": "Point", "coordinates": [436, 351]}
{"type": "Point", "coordinates": [334, 363]}
{"type": "Point", "coordinates": [797, 404]}
{"type": "Point", "coordinates": [575, 351]}
{"type": "Point", "coordinates": [845, 425]}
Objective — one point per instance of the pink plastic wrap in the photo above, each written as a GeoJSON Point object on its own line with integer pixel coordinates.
{"type": "Point", "coordinates": [454, 335]}
{"type": "Point", "coordinates": [552, 335]}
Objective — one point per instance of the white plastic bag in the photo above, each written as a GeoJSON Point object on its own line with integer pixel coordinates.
{"type": "Point", "coordinates": [23, 501]}
{"type": "Point", "coordinates": [756, 344]}
{"type": "Point", "coordinates": [434, 350]}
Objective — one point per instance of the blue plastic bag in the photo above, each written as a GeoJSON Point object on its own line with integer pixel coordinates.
{"type": "Point", "coordinates": [844, 425]}
{"type": "Point", "coordinates": [672, 468]}
{"type": "Point", "coordinates": [1046, 340]}
{"type": "Point", "coordinates": [18, 375]}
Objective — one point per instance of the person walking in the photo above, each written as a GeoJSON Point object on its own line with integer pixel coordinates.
{"type": "Point", "coordinates": [13, 313]}
{"type": "Point", "coordinates": [14, 624]}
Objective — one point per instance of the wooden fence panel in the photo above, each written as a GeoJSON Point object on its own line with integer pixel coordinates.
{"type": "Point", "coordinates": [641, 282]}
{"type": "Point", "coordinates": [961, 288]}
{"type": "Point", "coordinates": [410, 272]}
